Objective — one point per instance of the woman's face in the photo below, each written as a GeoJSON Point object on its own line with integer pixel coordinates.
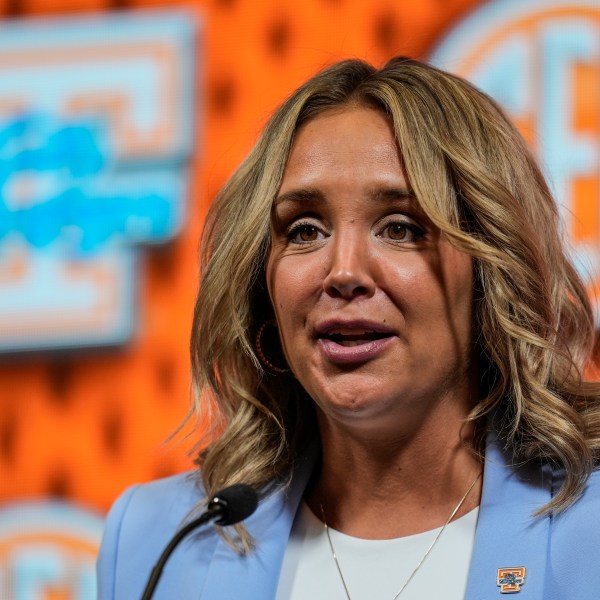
{"type": "Point", "coordinates": [374, 306]}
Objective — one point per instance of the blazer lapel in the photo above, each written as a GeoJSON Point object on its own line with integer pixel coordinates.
{"type": "Point", "coordinates": [231, 577]}
{"type": "Point", "coordinates": [507, 534]}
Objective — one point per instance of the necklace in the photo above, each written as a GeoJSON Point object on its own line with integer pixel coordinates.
{"type": "Point", "coordinates": [424, 557]}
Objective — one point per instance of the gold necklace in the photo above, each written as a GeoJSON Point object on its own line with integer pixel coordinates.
{"type": "Point", "coordinates": [427, 552]}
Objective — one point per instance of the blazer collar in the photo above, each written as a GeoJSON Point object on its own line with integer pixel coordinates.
{"type": "Point", "coordinates": [257, 575]}
{"type": "Point", "coordinates": [508, 535]}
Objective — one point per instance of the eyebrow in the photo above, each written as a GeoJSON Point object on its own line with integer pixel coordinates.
{"type": "Point", "coordinates": [394, 193]}
{"type": "Point", "coordinates": [312, 196]}
{"type": "Point", "coordinates": [300, 196]}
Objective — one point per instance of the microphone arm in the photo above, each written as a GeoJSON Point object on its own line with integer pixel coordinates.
{"type": "Point", "coordinates": [229, 506]}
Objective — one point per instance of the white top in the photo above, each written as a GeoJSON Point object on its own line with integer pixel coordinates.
{"type": "Point", "coordinates": [375, 569]}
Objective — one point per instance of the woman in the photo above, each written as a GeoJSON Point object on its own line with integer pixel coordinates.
{"type": "Point", "coordinates": [390, 338]}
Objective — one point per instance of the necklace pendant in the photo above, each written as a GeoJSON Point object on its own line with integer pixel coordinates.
{"type": "Point", "coordinates": [510, 579]}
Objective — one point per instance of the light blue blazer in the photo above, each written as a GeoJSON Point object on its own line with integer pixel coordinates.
{"type": "Point", "coordinates": [561, 554]}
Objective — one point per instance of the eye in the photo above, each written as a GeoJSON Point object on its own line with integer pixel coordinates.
{"type": "Point", "coordinates": [397, 231]}
{"type": "Point", "coordinates": [403, 231]}
{"type": "Point", "coordinates": [303, 233]}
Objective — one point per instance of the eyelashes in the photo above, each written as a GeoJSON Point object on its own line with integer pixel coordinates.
{"type": "Point", "coordinates": [404, 232]}
{"type": "Point", "coordinates": [303, 233]}
{"type": "Point", "coordinates": [396, 230]}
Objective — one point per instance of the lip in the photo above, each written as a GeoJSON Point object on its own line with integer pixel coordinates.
{"type": "Point", "coordinates": [324, 327]}
{"type": "Point", "coordinates": [337, 353]}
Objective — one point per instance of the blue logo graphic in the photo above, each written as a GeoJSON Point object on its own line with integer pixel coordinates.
{"type": "Point", "coordinates": [48, 547]}
{"type": "Point", "coordinates": [97, 130]}
{"type": "Point", "coordinates": [57, 183]}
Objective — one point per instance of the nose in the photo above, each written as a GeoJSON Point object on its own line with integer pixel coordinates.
{"type": "Point", "coordinates": [348, 271]}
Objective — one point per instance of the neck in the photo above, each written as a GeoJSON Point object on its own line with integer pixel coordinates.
{"type": "Point", "coordinates": [376, 489]}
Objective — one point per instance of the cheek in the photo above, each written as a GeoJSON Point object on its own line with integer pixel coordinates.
{"type": "Point", "coordinates": [438, 294]}
{"type": "Point", "coordinates": [276, 284]}
{"type": "Point", "coordinates": [283, 289]}
{"type": "Point", "coordinates": [295, 285]}
{"type": "Point", "coordinates": [459, 275]}
{"type": "Point", "coordinates": [293, 281]}
{"type": "Point", "coordinates": [277, 303]}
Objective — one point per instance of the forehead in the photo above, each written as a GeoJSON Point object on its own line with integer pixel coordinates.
{"type": "Point", "coordinates": [355, 141]}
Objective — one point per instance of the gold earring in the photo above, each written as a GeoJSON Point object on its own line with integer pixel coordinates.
{"type": "Point", "coordinates": [259, 348]}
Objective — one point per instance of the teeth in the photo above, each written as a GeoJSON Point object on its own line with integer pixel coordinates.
{"type": "Point", "coordinates": [355, 338]}
{"type": "Point", "coordinates": [350, 331]}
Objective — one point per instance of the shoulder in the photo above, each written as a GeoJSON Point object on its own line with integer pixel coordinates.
{"type": "Point", "coordinates": [156, 508]}
{"type": "Point", "coordinates": [582, 515]}
{"type": "Point", "coordinates": [145, 518]}
{"type": "Point", "coordinates": [591, 495]}
{"type": "Point", "coordinates": [177, 494]}
{"type": "Point", "coordinates": [138, 527]}
{"type": "Point", "coordinates": [574, 552]}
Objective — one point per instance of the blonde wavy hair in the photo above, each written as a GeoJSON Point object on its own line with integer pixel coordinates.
{"type": "Point", "coordinates": [477, 181]}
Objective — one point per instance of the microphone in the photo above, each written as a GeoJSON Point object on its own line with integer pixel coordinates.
{"type": "Point", "coordinates": [233, 504]}
{"type": "Point", "coordinates": [227, 507]}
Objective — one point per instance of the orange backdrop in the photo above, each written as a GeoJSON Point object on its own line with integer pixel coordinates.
{"type": "Point", "coordinates": [82, 425]}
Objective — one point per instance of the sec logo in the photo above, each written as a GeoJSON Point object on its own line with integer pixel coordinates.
{"type": "Point", "coordinates": [48, 551]}
{"type": "Point", "coordinates": [540, 60]}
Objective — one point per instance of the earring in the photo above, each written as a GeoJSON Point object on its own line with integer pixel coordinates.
{"type": "Point", "coordinates": [259, 348]}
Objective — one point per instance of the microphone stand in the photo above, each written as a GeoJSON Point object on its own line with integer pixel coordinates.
{"type": "Point", "coordinates": [205, 517]}
{"type": "Point", "coordinates": [229, 506]}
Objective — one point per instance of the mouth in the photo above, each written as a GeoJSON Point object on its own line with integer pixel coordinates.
{"type": "Point", "coordinates": [351, 342]}
{"type": "Point", "coordinates": [352, 337]}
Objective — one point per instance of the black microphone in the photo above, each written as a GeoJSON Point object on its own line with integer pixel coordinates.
{"type": "Point", "coordinates": [227, 507]}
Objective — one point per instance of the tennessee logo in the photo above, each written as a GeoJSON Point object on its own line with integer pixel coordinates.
{"type": "Point", "coordinates": [510, 579]}
{"type": "Point", "coordinates": [90, 173]}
